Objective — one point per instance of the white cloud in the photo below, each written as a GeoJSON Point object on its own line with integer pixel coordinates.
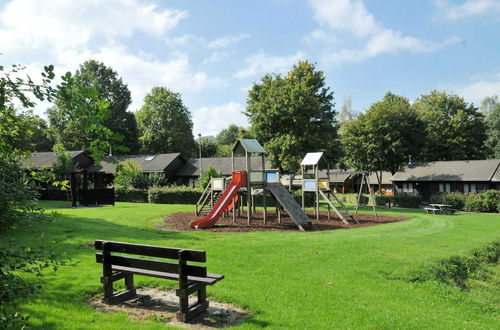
{"type": "Point", "coordinates": [477, 91]}
{"type": "Point", "coordinates": [217, 57]}
{"type": "Point", "coordinates": [351, 16]}
{"type": "Point", "coordinates": [67, 33]}
{"type": "Point", "coordinates": [468, 8]}
{"type": "Point", "coordinates": [264, 63]}
{"type": "Point", "coordinates": [59, 25]}
{"type": "Point", "coordinates": [185, 40]}
{"type": "Point", "coordinates": [227, 40]}
{"type": "Point", "coordinates": [210, 120]}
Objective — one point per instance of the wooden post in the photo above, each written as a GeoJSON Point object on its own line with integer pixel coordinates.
{"type": "Point", "coordinates": [264, 180]}
{"type": "Point", "coordinates": [316, 174]}
{"type": "Point", "coordinates": [249, 190]}
{"type": "Point", "coordinates": [360, 191]}
{"type": "Point", "coordinates": [107, 272]}
{"type": "Point", "coordinates": [371, 195]}
{"type": "Point", "coordinates": [183, 284]}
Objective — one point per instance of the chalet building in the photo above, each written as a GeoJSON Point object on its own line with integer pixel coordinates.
{"type": "Point", "coordinates": [168, 164]}
{"type": "Point", "coordinates": [465, 176]}
{"type": "Point", "coordinates": [189, 174]}
{"type": "Point", "coordinates": [45, 160]}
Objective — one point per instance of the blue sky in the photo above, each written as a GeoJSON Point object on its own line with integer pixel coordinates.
{"type": "Point", "coordinates": [212, 51]}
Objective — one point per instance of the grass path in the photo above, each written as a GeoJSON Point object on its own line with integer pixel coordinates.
{"type": "Point", "coordinates": [337, 279]}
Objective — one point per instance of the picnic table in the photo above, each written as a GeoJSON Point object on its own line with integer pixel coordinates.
{"type": "Point", "coordinates": [440, 209]}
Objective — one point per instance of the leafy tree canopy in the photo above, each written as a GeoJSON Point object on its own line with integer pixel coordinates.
{"type": "Point", "coordinates": [384, 137]}
{"type": "Point", "coordinates": [69, 128]}
{"type": "Point", "coordinates": [292, 115]}
{"type": "Point", "coordinates": [493, 131]}
{"type": "Point", "coordinates": [165, 124]}
{"type": "Point", "coordinates": [455, 129]}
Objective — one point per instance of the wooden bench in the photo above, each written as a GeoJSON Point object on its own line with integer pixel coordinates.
{"type": "Point", "coordinates": [192, 278]}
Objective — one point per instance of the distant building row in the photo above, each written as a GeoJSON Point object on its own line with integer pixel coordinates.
{"type": "Point", "coordinates": [425, 179]}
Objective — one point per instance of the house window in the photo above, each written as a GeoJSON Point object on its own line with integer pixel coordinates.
{"type": "Point", "coordinates": [470, 188]}
{"type": "Point", "coordinates": [408, 187]}
{"type": "Point", "coordinates": [444, 187]}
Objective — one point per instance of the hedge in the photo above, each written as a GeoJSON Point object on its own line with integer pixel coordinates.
{"type": "Point", "coordinates": [131, 195]}
{"type": "Point", "coordinates": [353, 198]}
{"type": "Point", "coordinates": [174, 195]}
{"type": "Point", "coordinates": [455, 199]}
{"type": "Point", "coordinates": [407, 200]}
{"type": "Point", "coordinates": [384, 200]}
{"type": "Point", "coordinates": [486, 202]}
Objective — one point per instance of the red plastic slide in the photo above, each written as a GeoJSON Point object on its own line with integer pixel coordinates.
{"type": "Point", "coordinates": [239, 180]}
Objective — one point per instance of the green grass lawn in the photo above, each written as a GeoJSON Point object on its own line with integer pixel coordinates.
{"type": "Point", "coordinates": [337, 279]}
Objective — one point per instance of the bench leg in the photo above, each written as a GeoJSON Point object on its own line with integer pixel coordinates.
{"type": "Point", "coordinates": [186, 312]}
{"type": "Point", "coordinates": [110, 297]}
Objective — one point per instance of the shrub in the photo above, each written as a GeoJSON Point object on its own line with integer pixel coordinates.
{"type": "Point", "coordinates": [208, 174]}
{"type": "Point", "coordinates": [384, 200]}
{"type": "Point", "coordinates": [455, 199]}
{"type": "Point", "coordinates": [407, 200]}
{"type": "Point", "coordinates": [474, 203]}
{"type": "Point", "coordinates": [158, 180]}
{"type": "Point", "coordinates": [131, 195]}
{"type": "Point", "coordinates": [352, 198]}
{"type": "Point", "coordinates": [126, 172]}
{"type": "Point", "coordinates": [174, 195]}
{"type": "Point", "coordinates": [140, 181]}
{"type": "Point", "coordinates": [491, 198]}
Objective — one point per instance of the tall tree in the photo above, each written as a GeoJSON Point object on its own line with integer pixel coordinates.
{"type": "Point", "coordinates": [292, 115]}
{"type": "Point", "coordinates": [228, 135]}
{"type": "Point", "coordinates": [455, 129]}
{"type": "Point", "coordinates": [489, 104]}
{"type": "Point", "coordinates": [493, 132]}
{"type": "Point", "coordinates": [67, 128]}
{"type": "Point", "coordinates": [346, 114]}
{"type": "Point", "coordinates": [384, 137]}
{"type": "Point", "coordinates": [40, 139]}
{"type": "Point", "coordinates": [18, 193]}
{"type": "Point", "coordinates": [165, 124]}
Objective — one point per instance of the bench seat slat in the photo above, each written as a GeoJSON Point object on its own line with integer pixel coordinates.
{"type": "Point", "coordinates": [169, 276]}
{"type": "Point", "coordinates": [154, 265]}
{"type": "Point", "coordinates": [153, 251]}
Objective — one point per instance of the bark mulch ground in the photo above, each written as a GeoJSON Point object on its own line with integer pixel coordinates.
{"type": "Point", "coordinates": [181, 221]}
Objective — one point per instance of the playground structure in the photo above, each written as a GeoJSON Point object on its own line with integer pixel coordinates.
{"type": "Point", "coordinates": [88, 189]}
{"type": "Point", "coordinates": [312, 183]}
{"type": "Point", "coordinates": [244, 185]}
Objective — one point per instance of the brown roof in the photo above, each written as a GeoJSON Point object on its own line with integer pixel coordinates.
{"type": "Point", "coordinates": [148, 163]}
{"type": "Point", "coordinates": [38, 160]}
{"type": "Point", "coordinates": [221, 164]}
{"type": "Point", "coordinates": [461, 170]}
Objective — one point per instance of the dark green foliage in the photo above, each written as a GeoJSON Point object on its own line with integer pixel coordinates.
{"type": "Point", "coordinates": [131, 195]}
{"type": "Point", "coordinates": [407, 200]}
{"type": "Point", "coordinates": [209, 173]}
{"type": "Point", "coordinates": [165, 124]}
{"type": "Point", "coordinates": [63, 165]}
{"type": "Point", "coordinates": [208, 148]}
{"type": "Point", "coordinates": [353, 199]}
{"type": "Point", "coordinates": [18, 194]}
{"type": "Point", "coordinates": [485, 202]}
{"type": "Point", "coordinates": [456, 270]}
{"type": "Point", "coordinates": [454, 129]}
{"type": "Point", "coordinates": [384, 200]}
{"type": "Point", "coordinates": [455, 199]}
{"type": "Point", "coordinates": [228, 136]}
{"type": "Point", "coordinates": [40, 139]}
{"type": "Point", "coordinates": [158, 180]}
{"type": "Point", "coordinates": [140, 181]}
{"type": "Point", "coordinates": [67, 126]}
{"type": "Point", "coordinates": [174, 195]}
{"type": "Point", "coordinates": [293, 114]}
{"type": "Point", "coordinates": [384, 137]}
{"type": "Point", "coordinates": [493, 132]}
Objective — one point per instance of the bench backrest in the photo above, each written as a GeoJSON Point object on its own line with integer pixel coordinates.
{"type": "Point", "coordinates": [182, 255]}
